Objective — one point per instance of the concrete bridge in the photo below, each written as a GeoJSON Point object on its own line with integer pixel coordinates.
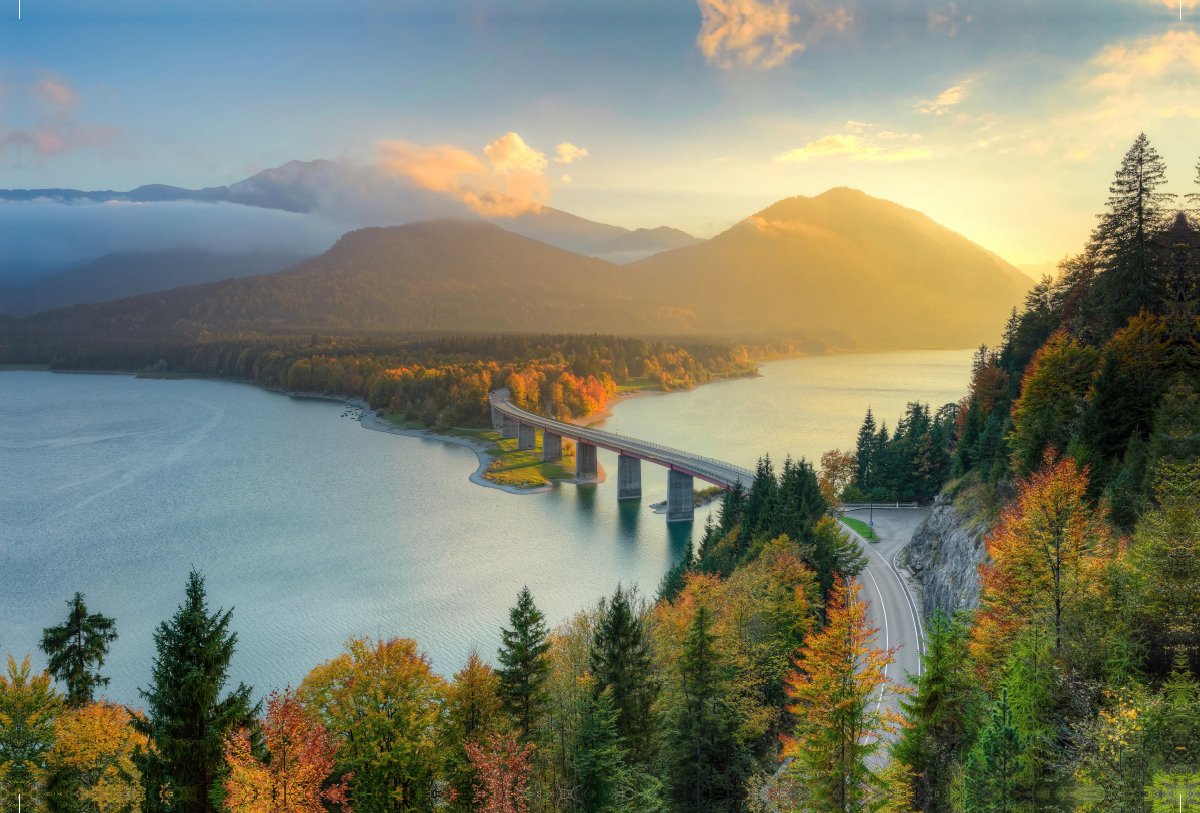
{"type": "Point", "coordinates": [682, 467]}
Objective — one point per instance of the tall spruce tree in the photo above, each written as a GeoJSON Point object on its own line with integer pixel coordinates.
{"type": "Point", "coordinates": [186, 716]}
{"type": "Point", "coordinates": [1124, 240]}
{"type": "Point", "coordinates": [620, 659]}
{"type": "Point", "coordinates": [864, 450]}
{"type": "Point", "coordinates": [524, 665]}
{"type": "Point", "coordinates": [597, 754]}
{"type": "Point", "coordinates": [76, 650]}
{"type": "Point", "coordinates": [994, 767]}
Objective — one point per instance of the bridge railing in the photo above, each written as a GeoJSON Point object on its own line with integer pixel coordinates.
{"type": "Point", "coordinates": [572, 428]}
{"type": "Point", "coordinates": [863, 506]}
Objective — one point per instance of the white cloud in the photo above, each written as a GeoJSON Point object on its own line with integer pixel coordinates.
{"type": "Point", "coordinates": [946, 99]}
{"type": "Point", "coordinates": [510, 153]}
{"type": "Point", "coordinates": [851, 147]}
{"type": "Point", "coordinates": [748, 33]}
{"type": "Point", "coordinates": [567, 178]}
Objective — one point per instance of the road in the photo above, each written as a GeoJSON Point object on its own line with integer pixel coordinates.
{"type": "Point", "coordinates": [891, 608]}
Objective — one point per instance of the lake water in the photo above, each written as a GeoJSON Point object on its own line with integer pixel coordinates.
{"type": "Point", "coordinates": [316, 529]}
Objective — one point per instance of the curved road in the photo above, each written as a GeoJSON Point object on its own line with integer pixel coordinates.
{"type": "Point", "coordinates": [717, 472]}
{"type": "Point", "coordinates": [891, 607]}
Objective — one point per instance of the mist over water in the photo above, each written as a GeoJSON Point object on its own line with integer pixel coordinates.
{"type": "Point", "coordinates": [316, 529]}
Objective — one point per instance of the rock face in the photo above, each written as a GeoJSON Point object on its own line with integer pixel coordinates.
{"type": "Point", "coordinates": [945, 552]}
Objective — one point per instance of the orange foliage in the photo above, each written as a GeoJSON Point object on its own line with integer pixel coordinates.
{"type": "Point", "coordinates": [97, 744]}
{"type": "Point", "coordinates": [301, 758]}
{"type": "Point", "coordinates": [1046, 551]}
{"type": "Point", "coordinates": [503, 767]}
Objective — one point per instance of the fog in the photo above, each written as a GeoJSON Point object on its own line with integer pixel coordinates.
{"type": "Point", "coordinates": [39, 237]}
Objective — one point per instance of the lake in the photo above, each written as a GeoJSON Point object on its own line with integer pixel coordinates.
{"type": "Point", "coordinates": [315, 529]}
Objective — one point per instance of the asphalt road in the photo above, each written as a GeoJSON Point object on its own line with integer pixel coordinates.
{"type": "Point", "coordinates": [890, 607]}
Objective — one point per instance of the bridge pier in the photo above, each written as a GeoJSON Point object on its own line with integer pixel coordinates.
{"type": "Point", "coordinates": [681, 504]}
{"type": "Point", "coordinates": [551, 446]}
{"type": "Point", "coordinates": [508, 427]}
{"type": "Point", "coordinates": [497, 419]}
{"type": "Point", "coordinates": [629, 478]}
{"type": "Point", "coordinates": [526, 436]}
{"type": "Point", "coordinates": [585, 461]}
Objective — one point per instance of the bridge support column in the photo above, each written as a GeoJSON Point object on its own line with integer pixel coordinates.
{"type": "Point", "coordinates": [508, 427]}
{"type": "Point", "coordinates": [585, 461]}
{"type": "Point", "coordinates": [526, 436]}
{"type": "Point", "coordinates": [629, 478]}
{"type": "Point", "coordinates": [497, 419]}
{"type": "Point", "coordinates": [551, 446]}
{"type": "Point", "coordinates": [681, 504]}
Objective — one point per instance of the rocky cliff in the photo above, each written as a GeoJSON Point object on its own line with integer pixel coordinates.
{"type": "Point", "coordinates": [945, 552]}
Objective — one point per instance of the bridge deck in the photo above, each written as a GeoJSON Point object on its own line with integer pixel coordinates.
{"type": "Point", "coordinates": [717, 472]}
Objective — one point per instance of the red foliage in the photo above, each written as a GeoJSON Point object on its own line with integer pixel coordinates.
{"type": "Point", "coordinates": [503, 768]}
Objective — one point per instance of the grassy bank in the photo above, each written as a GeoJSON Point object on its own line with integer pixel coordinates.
{"type": "Point", "coordinates": [864, 530]}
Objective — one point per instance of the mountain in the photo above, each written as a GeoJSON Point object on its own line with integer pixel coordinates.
{"type": "Point", "coordinates": [429, 276]}
{"type": "Point", "coordinates": [116, 276]}
{"type": "Point", "coordinates": [842, 267]}
{"type": "Point", "coordinates": [840, 261]}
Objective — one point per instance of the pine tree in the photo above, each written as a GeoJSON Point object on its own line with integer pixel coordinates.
{"type": "Point", "coordinates": [1137, 213]}
{"type": "Point", "coordinates": [864, 450]}
{"type": "Point", "coordinates": [709, 766]}
{"type": "Point", "coordinates": [76, 651]}
{"type": "Point", "coordinates": [597, 753]}
{"type": "Point", "coordinates": [994, 766]}
{"type": "Point", "coordinates": [187, 718]}
{"type": "Point", "coordinates": [620, 658]}
{"type": "Point", "coordinates": [524, 665]}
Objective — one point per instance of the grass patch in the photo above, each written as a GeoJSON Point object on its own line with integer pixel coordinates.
{"type": "Point", "coordinates": [638, 383]}
{"type": "Point", "coordinates": [864, 530]}
{"type": "Point", "coordinates": [525, 469]}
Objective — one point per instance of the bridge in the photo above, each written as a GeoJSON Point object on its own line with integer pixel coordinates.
{"type": "Point", "coordinates": [682, 467]}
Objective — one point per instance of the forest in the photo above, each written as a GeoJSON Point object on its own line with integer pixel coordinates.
{"type": "Point", "coordinates": [752, 680]}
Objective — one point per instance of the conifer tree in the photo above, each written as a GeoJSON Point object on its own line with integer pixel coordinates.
{"type": "Point", "coordinates": [864, 450]}
{"type": "Point", "coordinates": [187, 718]}
{"type": "Point", "coordinates": [1124, 240]}
{"type": "Point", "coordinates": [524, 665]}
{"type": "Point", "coordinates": [620, 659]}
{"type": "Point", "coordinates": [598, 755]}
{"type": "Point", "coordinates": [76, 651]}
{"type": "Point", "coordinates": [993, 768]}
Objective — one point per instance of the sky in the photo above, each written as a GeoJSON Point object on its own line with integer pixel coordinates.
{"type": "Point", "coordinates": [1002, 120]}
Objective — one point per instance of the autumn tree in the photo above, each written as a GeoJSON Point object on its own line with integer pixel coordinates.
{"type": "Point", "coordinates": [838, 470]}
{"type": "Point", "coordinates": [187, 716]}
{"type": "Point", "coordinates": [93, 764]}
{"type": "Point", "coordinates": [382, 702]}
{"type": "Point", "coordinates": [1043, 555]}
{"type": "Point", "coordinates": [1053, 399]}
{"type": "Point", "coordinates": [837, 691]}
{"type": "Point", "coordinates": [76, 650]}
{"type": "Point", "coordinates": [300, 758]}
{"type": "Point", "coordinates": [473, 710]}
{"type": "Point", "coordinates": [503, 765]}
{"type": "Point", "coordinates": [28, 708]}
{"type": "Point", "coordinates": [523, 664]}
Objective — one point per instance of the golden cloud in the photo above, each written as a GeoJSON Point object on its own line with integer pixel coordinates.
{"type": "Point", "coordinates": [749, 33]}
{"type": "Point", "coordinates": [946, 99]}
{"type": "Point", "coordinates": [512, 187]}
{"type": "Point", "coordinates": [56, 129]}
{"type": "Point", "coordinates": [568, 152]}
{"type": "Point", "coordinates": [851, 147]}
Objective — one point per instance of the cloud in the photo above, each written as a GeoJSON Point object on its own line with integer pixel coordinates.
{"type": "Point", "coordinates": [567, 178]}
{"type": "Point", "coordinates": [852, 147]}
{"type": "Point", "coordinates": [857, 126]}
{"type": "Point", "coordinates": [747, 33]}
{"type": "Point", "coordinates": [946, 99]}
{"type": "Point", "coordinates": [568, 152]}
{"type": "Point", "coordinates": [513, 186]}
{"type": "Point", "coordinates": [48, 122]}
{"type": "Point", "coordinates": [943, 20]}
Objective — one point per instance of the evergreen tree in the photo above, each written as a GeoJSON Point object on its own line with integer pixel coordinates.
{"type": "Point", "coordinates": [994, 767]}
{"type": "Point", "coordinates": [864, 451]}
{"type": "Point", "coordinates": [708, 765]}
{"type": "Point", "coordinates": [76, 651]}
{"type": "Point", "coordinates": [620, 659]}
{"type": "Point", "coordinates": [597, 753]}
{"type": "Point", "coordinates": [524, 665]}
{"type": "Point", "coordinates": [1124, 240]}
{"type": "Point", "coordinates": [762, 502]}
{"type": "Point", "coordinates": [186, 716]}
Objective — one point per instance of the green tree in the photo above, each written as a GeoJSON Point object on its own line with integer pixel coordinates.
{"type": "Point", "coordinates": [598, 755]}
{"type": "Point", "coordinates": [620, 658]}
{"type": "Point", "coordinates": [187, 717]}
{"type": "Point", "coordinates": [1124, 240]}
{"type": "Point", "coordinates": [76, 651]}
{"type": "Point", "coordinates": [524, 665]}
{"type": "Point", "coordinates": [864, 451]}
{"type": "Point", "coordinates": [28, 708]}
{"type": "Point", "coordinates": [994, 767]}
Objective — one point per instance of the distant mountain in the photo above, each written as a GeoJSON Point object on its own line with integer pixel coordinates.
{"type": "Point", "coordinates": [116, 276]}
{"type": "Point", "coordinates": [840, 261]}
{"type": "Point", "coordinates": [842, 267]}
{"type": "Point", "coordinates": [306, 187]}
{"type": "Point", "coordinates": [1035, 271]}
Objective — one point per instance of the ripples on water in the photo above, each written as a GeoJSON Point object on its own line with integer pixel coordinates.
{"type": "Point", "coordinates": [316, 529]}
